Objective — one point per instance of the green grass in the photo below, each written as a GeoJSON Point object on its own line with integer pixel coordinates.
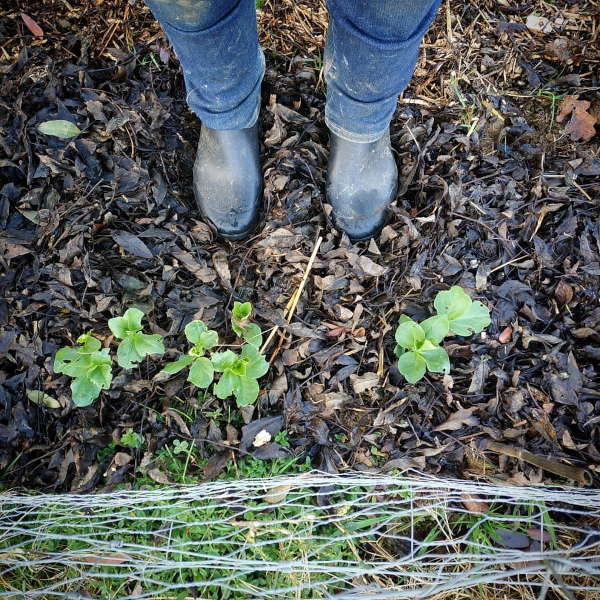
{"type": "Point", "coordinates": [258, 528]}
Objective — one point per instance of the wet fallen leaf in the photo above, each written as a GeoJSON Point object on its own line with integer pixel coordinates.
{"type": "Point", "coordinates": [132, 244]}
{"type": "Point", "coordinates": [216, 463]}
{"type": "Point", "coordinates": [512, 539]}
{"type": "Point", "coordinates": [581, 125]}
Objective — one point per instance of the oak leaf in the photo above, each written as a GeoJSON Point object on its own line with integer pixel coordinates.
{"type": "Point", "coordinates": [581, 125]}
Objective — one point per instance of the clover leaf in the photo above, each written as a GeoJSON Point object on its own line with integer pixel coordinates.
{"type": "Point", "coordinates": [201, 372]}
{"type": "Point", "coordinates": [464, 316]}
{"type": "Point", "coordinates": [90, 368]}
{"type": "Point", "coordinates": [250, 332]}
{"type": "Point", "coordinates": [134, 345]}
{"type": "Point", "coordinates": [418, 344]}
{"type": "Point", "coordinates": [239, 374]}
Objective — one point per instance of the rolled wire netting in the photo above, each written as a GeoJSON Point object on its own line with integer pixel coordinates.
{"type": "Point", "coordinates": [313, 535]}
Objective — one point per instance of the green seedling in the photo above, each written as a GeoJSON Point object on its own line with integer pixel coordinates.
{"type": "Point", "coordinates": [134, 345]}
{"type": "Point", "coordinates": [249, 332]}
{"type": "Point", "coordinates": [239, 374]}
{"type": "Point", "coordinates": [418, 344]}
{"type": "Point", "coordinates": [132, 439]}
{"type": "Point", "coordinates": [90, 368]}
{"type": "Point", "coordinates": [201, 368]}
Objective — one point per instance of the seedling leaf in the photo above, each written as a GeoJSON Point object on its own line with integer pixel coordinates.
{"type": "Point", "coordinates": [412, 365]}
{"type": "Point", "coordinates": [474, 320]}
{"type": "Point", "coordinates": [436, 328]}
{"type": "Point", "coordinates": [241, 311]}
{"type": "Point", "coordinates": [178, 365]}
{"type": "Point", "coordinates": [201, 372]}
{"type": "Point", "coordinates": [257, 366]}
{"type": "Point", "coordinates": [223, 360]}
{"type": "Point", "coordinates": [224, 388]}
{"type": "Point", "coordinates": [452, 303]}
{"type": "Point", "coordinates": [437, 360]}
{"type": "Point", "coordinates": [246, 391]}
{"type": "Point", "coordinates": [84, 391]}
{"type": "Point", "coordinates": [198, 334]}
{"type": "Point", "coordinates": [410, 335]}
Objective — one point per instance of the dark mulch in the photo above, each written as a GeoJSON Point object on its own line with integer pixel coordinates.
{"type": "Point", "coordinates": [495, 196]}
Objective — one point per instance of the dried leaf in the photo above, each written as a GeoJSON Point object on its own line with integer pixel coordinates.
{"type": "Point", "coordinates": [474, 504]}
{"type": "Point", "coordinates": [537, 23]}
{"type": "Point", "coordinates": [262, 437]}
{"type": "Point", "coordinates": [505, 335]}
{"type": "Point", "coordinates": [456, 420]}
{"type": "Point", "coordinates": [222, 267]}
{"type": "Point", "coordinates": [277, 494]}
{"type": "Point", "coordinates": [581, 126]}
{"type": "Point", "coordinates": [32, 25]}
{"type": "Point", "coordinates": [157, 475]}
{"type": "Point", "coordinates": [563, 293]}
{"type": "Point", "coordinates": [364, 382]}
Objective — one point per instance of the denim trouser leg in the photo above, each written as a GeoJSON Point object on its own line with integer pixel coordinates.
{"type": "Point", "coordinates": [371, 52]}
{"type": "Point", "coordinates": [217, 45]}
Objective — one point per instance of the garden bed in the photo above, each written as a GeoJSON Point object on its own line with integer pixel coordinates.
{"type": "Point", "coordinates": [496, 196]}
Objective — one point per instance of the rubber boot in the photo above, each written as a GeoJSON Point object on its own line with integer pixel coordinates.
{"type": "Point", "coordinates": [228, 180]}
{"type": "Point", "coordinates": [362, 181]}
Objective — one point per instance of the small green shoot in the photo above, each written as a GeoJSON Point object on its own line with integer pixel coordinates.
{"type": "Point", "coordinates": [249, 332]}
{"type": "Point", "coordinates": [90, 368]}
{"type": "Point", "coordinates": [134, 345]}
{"type": "Point", "coordinates": [418, 344]}
{"type": "Point", "coordinates": [132, 439]}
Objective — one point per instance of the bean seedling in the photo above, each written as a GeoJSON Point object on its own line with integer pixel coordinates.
{"type": "Point", "coordinates": [418, 344]}
{"type": "Point", "coordinates": [90, 368]}
{"type": "Point", "coordinates": [134, 345]}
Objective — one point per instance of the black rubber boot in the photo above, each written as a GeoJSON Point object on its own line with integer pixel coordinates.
{"type": "Point", "coordinates": [362, 181]}
{"type": "Point", "coordinates": [228, 180]}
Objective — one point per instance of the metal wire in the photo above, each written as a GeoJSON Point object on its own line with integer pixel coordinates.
{"type": "Point", "coordinates": [315, 535]}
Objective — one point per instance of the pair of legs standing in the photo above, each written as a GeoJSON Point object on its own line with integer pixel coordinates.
{"type": "Point", "coordinates": [370, 54]}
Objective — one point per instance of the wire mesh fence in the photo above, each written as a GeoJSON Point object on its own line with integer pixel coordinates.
{"type": "Point", "coordinates": [314, 535]}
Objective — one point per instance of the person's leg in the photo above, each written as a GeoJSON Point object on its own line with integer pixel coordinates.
{"type": "Point", "coordinates": [372, 48]}
{"type": "Point", "coordinates": [216, 42]}
{"type": "Point", "coordinates": [217, 45]}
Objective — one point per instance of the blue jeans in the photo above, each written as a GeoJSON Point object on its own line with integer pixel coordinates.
{"type": "Point", "coordinates": [370, 54]}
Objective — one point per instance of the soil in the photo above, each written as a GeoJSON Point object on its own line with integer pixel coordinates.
{"type": "Point", "coordinates": [496, 195]}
